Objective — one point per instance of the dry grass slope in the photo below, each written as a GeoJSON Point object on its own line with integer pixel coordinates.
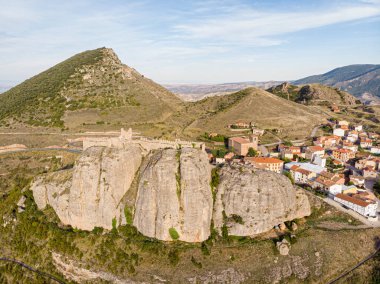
{"type": "Point", "coordinates": [264, 109]}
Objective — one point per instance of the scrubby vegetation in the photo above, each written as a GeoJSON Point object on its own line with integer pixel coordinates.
{"type": "Point", "coordinates": [32, 235]}
{"type": "Point", "coordinates": [40, 94]}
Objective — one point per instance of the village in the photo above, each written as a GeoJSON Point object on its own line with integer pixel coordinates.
{"type": "Point", "coordinates": [342, 167]}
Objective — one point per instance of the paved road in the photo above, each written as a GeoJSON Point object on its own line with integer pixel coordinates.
{"type": "Point", "coordinates": [352, 213]}
{"type": "Point", "coordinates": [314, 131]}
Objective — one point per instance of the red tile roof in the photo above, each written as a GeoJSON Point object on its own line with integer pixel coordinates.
{"type": "Point", "coordinates": [353, 200]}
{"type": "Point", "coordinates": [316, 148]}
{"type": "Point", "coordinates": [264, 160]}
{"type": "Point", "coordinates": [240, 140]}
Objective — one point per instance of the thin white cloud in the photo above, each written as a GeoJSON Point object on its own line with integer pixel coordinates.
{"type": "Point", "coordinates": [259, 28]}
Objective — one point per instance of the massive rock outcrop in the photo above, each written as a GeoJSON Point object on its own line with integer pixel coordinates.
{"type": "Point", "coordinates": [90, 195]}
{"type": "Point", "coordinates": [174, 195]}
{"type": "Point", "coordinates": [249, 201]}
{"type": "Point", "coordinates": [171, 196]}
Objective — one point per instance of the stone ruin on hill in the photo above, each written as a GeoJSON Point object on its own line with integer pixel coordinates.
{"type": "Point", "coordinates": [127, 138]}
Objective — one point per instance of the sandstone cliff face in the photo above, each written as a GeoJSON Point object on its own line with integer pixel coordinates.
{"type": "Point", "coordinates": [250, 201]}
{"type": "Point", "coordinates": [174, 198]}
{"type": "Point", "coordinates": [92, 197]}
{"type": "Point", "coordinates": [174, 192]}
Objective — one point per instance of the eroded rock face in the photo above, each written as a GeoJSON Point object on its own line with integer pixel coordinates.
{"type": "Point", "coordinates": [174, 192]}
{"type": "Point", "coordinates": [90, 195]}
{"type": "Point", "coordinates": [250, 202]}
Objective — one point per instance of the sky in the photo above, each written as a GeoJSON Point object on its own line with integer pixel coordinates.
{"type": "Point", "coordinates": [192, 41]}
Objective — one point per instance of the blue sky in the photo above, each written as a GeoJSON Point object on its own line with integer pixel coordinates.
{"type": "Point", "coordinates": [195, 41]}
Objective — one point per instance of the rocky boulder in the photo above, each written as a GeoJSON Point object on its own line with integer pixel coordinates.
{"type": "Point", "coordinates": [283, 247]}
{"type": "Point", "coordinates": [174, 198]}
{"type": "Point", "coordinates": [90, 195]}
{"type": "Point", "coordinates": [249, 201]}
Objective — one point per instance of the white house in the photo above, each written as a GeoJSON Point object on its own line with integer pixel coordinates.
{"type": "Point", "coordinates": [313, 151]}
{"type": "Point", "coordinates": [375, 150]}
{"type": "Point", "coordinates": [358, 127]}
{"type": "Point", "coordinates": [320, 161]}
{"type": "Point", "coordinates": [357, 180]}
{"type": "Point", "coordinates": [366, 208]}
{"type": "Point", "coordinates": [350, 146]}
{"type": "Point", "coordinates": [219, 161]}
{"type": "Point", "coordinates": [365, 143]}
{"type": "Point", "coordinates": [329, 182]}
{"type": "Point", "coordinates": [339, 132]}
{"type": "Point", "coordinates": [306, 166]}
{"type": "Point", "coordinates": [301, 176]}
{"type": "Point", "coordinates": [343, 123]}
{"type": "Point", "coordinates": [352, 138]}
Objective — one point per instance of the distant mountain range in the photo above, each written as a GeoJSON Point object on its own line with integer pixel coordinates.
{"type": "Point", "coordinates": [361, 80]}
{"type": "Point", "coordinates": [194, 92]}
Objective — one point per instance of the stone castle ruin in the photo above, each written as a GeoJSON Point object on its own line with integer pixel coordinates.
{"type": "Point", "coordinates": [127, 138]}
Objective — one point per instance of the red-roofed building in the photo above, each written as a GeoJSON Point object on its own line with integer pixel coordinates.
{"type": "Point", "coordinates": [327, 141]}
{"type": "Point", "coordinates": [301, 176]}
{"type": "Point", "coordinates": [229, 156]}
{"type": "Point", "coordinates": [266, 163]}
{"type": "Point", "coordinates": [370, 173]}
{"type": "Point", "coordinates": [289, 152]}
{"type": "Point", "coordinates": [363, 206]}
{"type": "Point", "coordinates": [313, 151]}
{"type": "Point", "coordinates": [240, 145]}
{"type": "Point", "coordinates": [365, 143]}
{"type": "Point", "coordinates": [333, 183]}
{"type": "Point", "coordinates": [343, 154]}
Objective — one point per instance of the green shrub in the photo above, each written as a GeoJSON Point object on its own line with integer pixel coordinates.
{"type": "Point", "coordinates": [173, 234]}
{"type": "Point", "coordinates": [251, 152]}
{"type": "Point", "coordinates": [289, 176]}
{"type": "Point", "coordinates": [114, 226]}
{"type": "Point", "coordinates": [215, 179]}
{"type": "Point", "coordinates": [97, 230]}
{"type": "Point", "coordinates": [196, 263]}
{"type": "Point", "coordinates": [173, 256]}
{"type": "Point", "coordinates": [237, 219]}
{"type": "Point", "coordinates": [128, 215]}
{"type": "Point", "coordinates": [224, 231]}
{"type": "Point", "coordinates": [204, 248]}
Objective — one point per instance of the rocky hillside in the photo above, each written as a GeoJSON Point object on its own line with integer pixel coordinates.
{"type": "Point", "coordinates": [93, 81]}
{"type": "Point", "coordinates": [174, 198]}
{"type": "Point", "coordinates": [95, 91]}
{"type": "Point", "coordinates": [264, 109]}
{"type": "Point", "coordinates": [313, 94]}
{"type": "Point", "coordinates": [361, 80]}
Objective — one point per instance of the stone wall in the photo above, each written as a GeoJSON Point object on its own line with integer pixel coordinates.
{"type": "Point", "coordinates": [147, 144]}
